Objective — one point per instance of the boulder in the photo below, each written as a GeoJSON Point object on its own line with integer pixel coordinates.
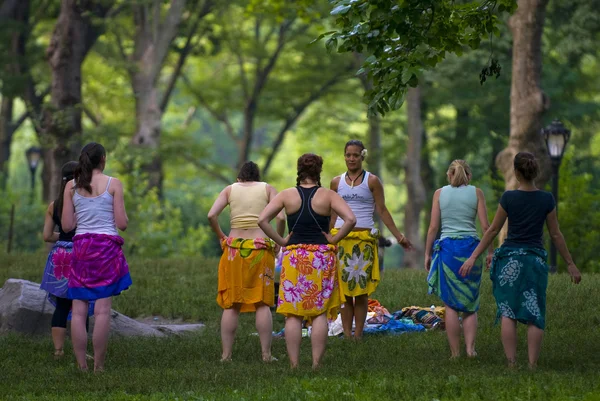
{"type": "Point", "coordinates": [24, 308]}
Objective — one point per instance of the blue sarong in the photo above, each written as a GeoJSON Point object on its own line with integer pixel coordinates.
{"type": "Point", "coordinates": [519, 280]}
{"type": "Point", "coordinates": [457, 292]}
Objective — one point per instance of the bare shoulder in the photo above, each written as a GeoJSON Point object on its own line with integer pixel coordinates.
{"type": "Point", "coordinates": [479, 192]}
{"type": "Point", "coordinates": [335, 182]}
{"type": "Point", "coordinates": [50, 209]}
{"type": "Point", "coordinates": [374, 181]}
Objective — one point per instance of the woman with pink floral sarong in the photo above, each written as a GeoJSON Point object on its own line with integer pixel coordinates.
{"type": "Point", "coordinates": [93, 202]}
{"type": "Point", "coordinates": [309, 287]}
{"type": "Point", "coordinates": [247, 266]}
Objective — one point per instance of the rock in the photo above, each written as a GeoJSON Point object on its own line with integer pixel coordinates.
{"type": "Point", "coordinates": [24, 308]}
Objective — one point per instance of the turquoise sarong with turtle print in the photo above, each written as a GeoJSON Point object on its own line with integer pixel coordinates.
{"type": "Point", "coordinates": [519, 279]}
{"type": "Point", "coordinates": [457, 292]}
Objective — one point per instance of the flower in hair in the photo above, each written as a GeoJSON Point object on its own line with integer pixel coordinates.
{"type": "Point", "coordinates": [363, 153]}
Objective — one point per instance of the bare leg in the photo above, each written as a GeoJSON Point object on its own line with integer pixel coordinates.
{"type": "Point", "coordinates": [509, 340]}
{"type": "Point", "coordinates": [361, 307]}
{"type": "Point", "coordinates": [79, 332]}
{"type": "Point", "coordinates": [534, 344]}
{"type": "Point", "coordinates": [453, 331]}
{"type": "Point", "coordinates": [229, 323]}
{"type": "Point", "coordinates": [264, 326]}
{"type": "Point", "coordinates": [101, 331]}
{"type": "Point", "coordinates": [58, 338]}
{"type": "Point", "coordinates": [470, 332]}
{"type": "Point", "coordinates": [318, 339]}
{"type": "Point", "coordinates": [293, 337]}
{"type": "Point", "coordinates": [347, 313]}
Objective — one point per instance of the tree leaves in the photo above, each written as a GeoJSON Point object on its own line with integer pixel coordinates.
{"type": "Point", "coordinates": [404, 38]}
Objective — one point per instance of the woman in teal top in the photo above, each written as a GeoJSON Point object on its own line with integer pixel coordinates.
{"type": "Point", "coordinates": [519, 272]}
{"type": "Point", "coordinates": [457, 206]}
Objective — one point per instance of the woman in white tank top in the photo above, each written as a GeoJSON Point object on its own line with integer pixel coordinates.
{"type": "Point", "coordinates": [94, 204]}
{"type": "Point", "coordinates": [358, 251]}
{"type": "Point", "coordinates": [456, 206]}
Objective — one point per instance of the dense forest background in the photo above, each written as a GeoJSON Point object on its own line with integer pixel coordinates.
{"type": "Point", "coordinates": [182, 92]}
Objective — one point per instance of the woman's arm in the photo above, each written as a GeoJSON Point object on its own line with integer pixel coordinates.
{"type": "Point", "coordinates": [559, 241]}
{"type": "Point", "coordinates": [382, 211]}
{"type": "Point", "coordinates": [264, 220]}
{"type": "Point", "coordinates": [49, 234]}
{"type": "Point", "coordinates": [483, 220]}
{"type": "Point", "coordinates": [333, 185]}
{"type": "Point", "coordinates": [216, 209]}
{"type": "Point", "coordinates": [341, 208]}
{"type": "Point", "coordinates": [280, 218]}
{"type": "Point", "coordinates": [487, 239]}
{"type": "Point", "coordinates": [121, 219]}
{"type": "Point", "coordinates": [434, 227]}
{"type": "Point", "coordinates": [67, 220]}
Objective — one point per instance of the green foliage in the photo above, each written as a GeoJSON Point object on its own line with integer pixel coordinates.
{"type": "Point", "coordinates": [407, 37]}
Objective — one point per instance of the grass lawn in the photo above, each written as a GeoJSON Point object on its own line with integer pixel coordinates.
{"type": "Point", "coordinates": [407, 367]}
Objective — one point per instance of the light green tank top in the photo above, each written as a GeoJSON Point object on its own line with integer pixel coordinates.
{"type": "Point", "coordinates": [458, 206]}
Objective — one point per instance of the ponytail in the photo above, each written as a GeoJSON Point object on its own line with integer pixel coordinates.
{"type": "Point", "coordinates": [67, 173]}
{"type": "Point", "coordinates": [92, 155]}
{"type": "Point", "coordinates": [460, 173]}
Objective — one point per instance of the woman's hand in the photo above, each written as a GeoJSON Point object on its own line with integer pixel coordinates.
{"type": "Point", "coordinates": [330, 238]}
{"type": "Point", "coordinates": [488, 260]}
{"type": "Point", "coordinates": [574, 273]}
{"type": "Point", "coordinates": [427, 262]}
{"type": "Point", "coordinates": [405, 243]}
{"type": "Point", "coordinates": [466, 267]}
{"type": "Point", "coordinates": [284, 241]}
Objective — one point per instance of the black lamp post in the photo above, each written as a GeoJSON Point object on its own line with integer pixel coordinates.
{"type": "Point", "coordinates": [34, 155]}
{"type": "Point", "coordinates": [556, 137]}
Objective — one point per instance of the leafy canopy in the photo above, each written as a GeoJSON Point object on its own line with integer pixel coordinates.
{"type": "Point", "coordinates": [406, 37]}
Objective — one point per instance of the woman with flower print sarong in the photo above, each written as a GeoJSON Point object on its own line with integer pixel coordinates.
{"type": "Point", "coordinates": [58, 266]}
{"type": "Point", "coordinates": [247, 266]}
{"type": "Point", "coordinates": [519, 272]}
{"type": "Point", "coordinates": [309, 286]}
{"type": "Point", "coordinates": [358, 251]}
{"type": "Point", "coordinates": [456, 206]}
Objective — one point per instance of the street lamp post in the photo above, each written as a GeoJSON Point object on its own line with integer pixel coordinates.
{"type": "Point", "coordinates": [33, 154]}
{"type": "Point", "coordinates": [556, 137]}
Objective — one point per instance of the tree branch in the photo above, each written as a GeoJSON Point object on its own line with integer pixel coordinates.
{"type": "Point", "coordinates": [183, 55]}
{"type": "Point", "coordinates": [219, 116]}
{"type": "Point", "coordinates": [298, 110]}
{"type": "Point", "coordinates": [210, 170]}
{"type": "Point", "coordinates": [167, 32]}
{"type": "Point", "coordinates": [95, 120]}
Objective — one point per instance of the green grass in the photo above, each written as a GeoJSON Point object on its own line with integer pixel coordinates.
{"type": "Point", "coordinates": [406, 367]}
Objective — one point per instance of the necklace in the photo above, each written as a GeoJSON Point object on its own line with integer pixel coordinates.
{"type": "Point", "coordinates": [353, 180]}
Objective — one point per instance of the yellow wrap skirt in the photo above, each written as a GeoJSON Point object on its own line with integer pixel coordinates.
{"type": "Point", "coordinates": [308, 285]}
{"type": "Point", "coordinates": [358, 255]}
{"type": "Point", "coordinates": [246, 273]}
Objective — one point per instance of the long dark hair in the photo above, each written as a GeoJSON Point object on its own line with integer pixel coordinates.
{"type": "Point", "coordinates": [249, 172]}
{"type": "Point", "coordinates": [91, 156]}
{"type": "Point", "coordinates": [67, 173]}
{"type": "Point", "coordinates": [309, 166]}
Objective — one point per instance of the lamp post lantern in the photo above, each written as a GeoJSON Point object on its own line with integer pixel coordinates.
{"type": "Point", "coordinates": [34, 155]}
{"type": "Point", "coordinates": [556, 137]}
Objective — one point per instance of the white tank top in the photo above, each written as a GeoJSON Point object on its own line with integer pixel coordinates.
{"type": "Point", "coordinates": [95, 214]}
{"type": "Point", "coordinates": [361, 201]}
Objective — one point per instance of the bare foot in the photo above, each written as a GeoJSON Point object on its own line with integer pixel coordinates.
{"type": "Point", "coordinates": [59, 353]}
{"type": "Point", "coordinates": [472, 354]}
{"type": "Point", "coordinates": [512, 364]}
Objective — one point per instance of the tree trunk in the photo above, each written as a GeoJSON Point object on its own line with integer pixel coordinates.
{"type": "Point", "coordinates": [527, 100]}
{"type": "Point", "coordinates": [427, 175]}
{"type": "Point", "coordinates": [73, 36]}
{"type": "Point", "coordinates": [152, 41]}
{"type": "Point", "coordinates": [6, 134]}
{"type": "Point", "coordinates": [414, 182]}
{"type": "Point", "coordinates": [461, 133]}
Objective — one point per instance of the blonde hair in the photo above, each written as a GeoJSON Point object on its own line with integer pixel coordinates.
{"type": "Point", "coordinates": [460, 173]}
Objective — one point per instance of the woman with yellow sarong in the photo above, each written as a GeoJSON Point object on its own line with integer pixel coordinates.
{"type": "Point", "coordinates": [358, 251]}
{"type": "Point", "coordinates": [308, 286]}
{"type": "Point", "coordinates": [247, 266]}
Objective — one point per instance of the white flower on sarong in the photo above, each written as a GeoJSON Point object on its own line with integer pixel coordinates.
{"type": "Point", "coordinates": [540, 261]}
{"type": "Point", "coordinates": [506, 311]}
{"type": "Point", "coordinates": [510, 272]}
{"type": "Point", "coordinates": [531, 303]}
{"type": "Point", "coordinates": [355, 268]}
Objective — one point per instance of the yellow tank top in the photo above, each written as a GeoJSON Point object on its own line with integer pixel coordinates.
{"type": "Point", "coordinates": [246, 202]}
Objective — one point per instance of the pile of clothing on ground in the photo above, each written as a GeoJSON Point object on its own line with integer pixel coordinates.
{"type": "Point", "coordinates": [410, 319]}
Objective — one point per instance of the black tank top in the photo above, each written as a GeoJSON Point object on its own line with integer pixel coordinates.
{"type": "Point", "coordinates": [62, 236]}
{"type": "Point", "coordinates": [306, 225]}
